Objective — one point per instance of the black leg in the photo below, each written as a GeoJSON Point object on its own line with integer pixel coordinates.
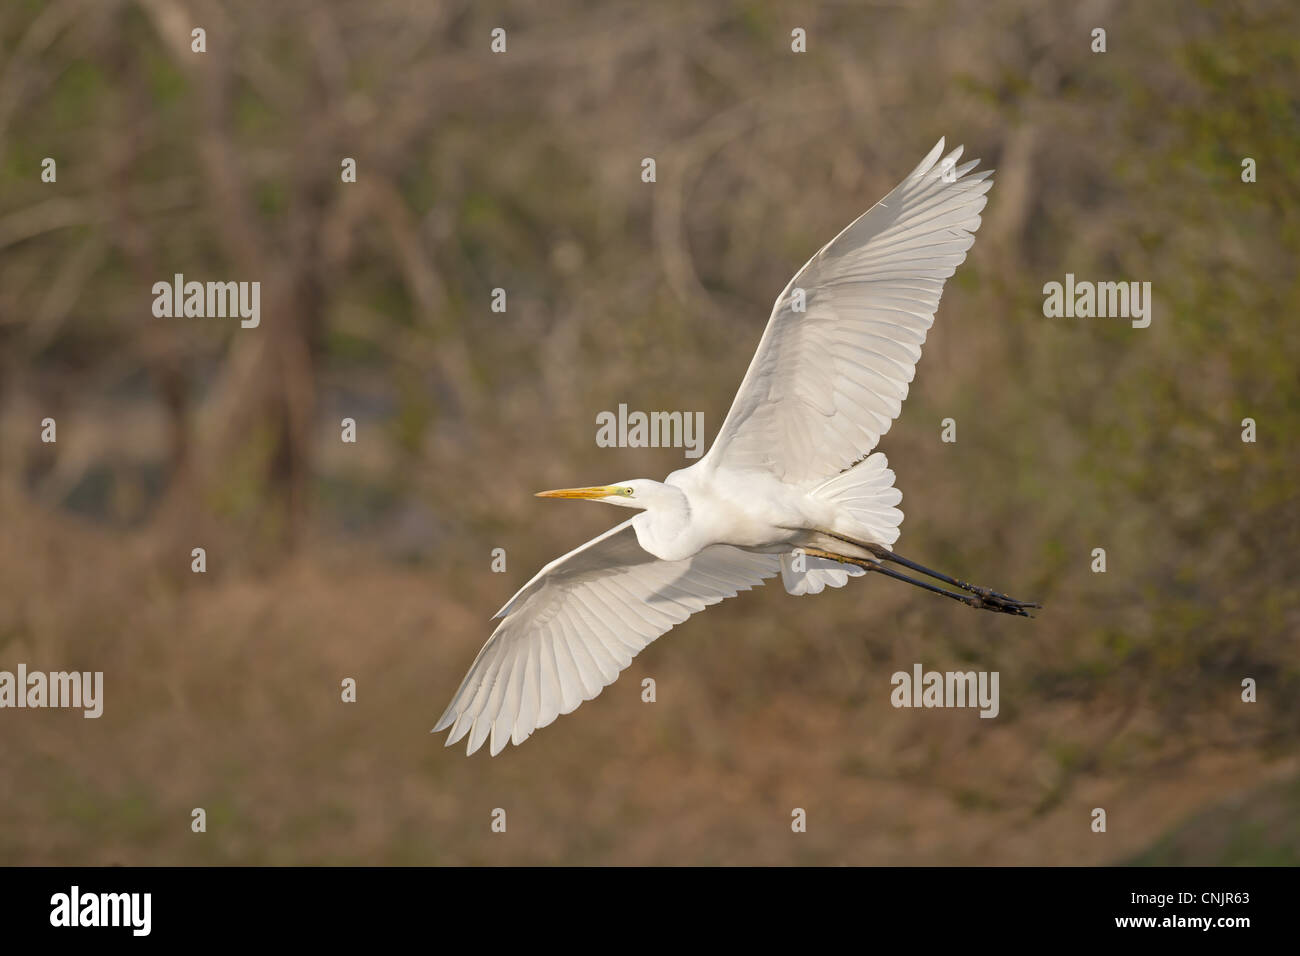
{"type": "Point", "coordinates": [964, 598]}
{"type": "Point", "coordinates": [987, 597]}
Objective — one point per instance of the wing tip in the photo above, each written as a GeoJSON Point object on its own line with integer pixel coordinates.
{"type": "Point", "coordinates": [932, 158]}
{"type": "Point", "coordinates": [450, 715]}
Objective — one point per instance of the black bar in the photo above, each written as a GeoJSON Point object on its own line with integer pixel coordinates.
{"type": "Point", "coordinates": [448, 907]}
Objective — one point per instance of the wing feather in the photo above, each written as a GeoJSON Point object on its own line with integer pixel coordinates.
{"type": "Point", "coordinates": [828, 381]}
{"type": "Point", "coordinates": [570, 630]}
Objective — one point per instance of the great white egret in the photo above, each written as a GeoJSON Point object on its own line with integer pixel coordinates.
{"type": "Point", "coordinates": [788, 488]}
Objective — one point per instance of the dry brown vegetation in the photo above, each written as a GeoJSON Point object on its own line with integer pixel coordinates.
{"type": "Point", "coordinates": [521, 171]}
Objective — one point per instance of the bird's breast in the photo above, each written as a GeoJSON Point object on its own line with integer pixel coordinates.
{"type": "Point", "coordinates": [667, 540]}
{"type": "Point", "coordinates": [743, 511]}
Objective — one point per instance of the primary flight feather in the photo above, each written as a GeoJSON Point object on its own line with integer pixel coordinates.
{"type": "Point", "coordinates": [788, 488]}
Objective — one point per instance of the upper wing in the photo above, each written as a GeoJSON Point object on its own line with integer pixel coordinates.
{"type": "Point", "coordinates": [573, 627]}
{"type": "Point", "coordinates": [827, 382]}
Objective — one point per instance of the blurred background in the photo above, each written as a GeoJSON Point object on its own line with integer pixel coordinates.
{"type": "Point", "coordinates": [522, 171]}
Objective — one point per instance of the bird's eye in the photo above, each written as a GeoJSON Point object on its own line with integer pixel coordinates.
{"type": "Point", "coordinates": [626, 492]}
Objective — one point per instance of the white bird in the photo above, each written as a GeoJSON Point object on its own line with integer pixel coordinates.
{"type": "Point", "coordinates": [788, 488]}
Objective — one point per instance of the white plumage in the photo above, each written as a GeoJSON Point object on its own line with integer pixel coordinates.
{"type": "Point", "coordinates": [787, 471]}
{"type": "Point", "coordinates": [824, 385]}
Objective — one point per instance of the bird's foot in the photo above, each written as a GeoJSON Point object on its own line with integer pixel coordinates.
{"type": "Point", "coordinates": [986, 599]}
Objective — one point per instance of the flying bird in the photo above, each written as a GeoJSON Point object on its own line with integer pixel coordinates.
{"type": "Point", "coordinates": [790, 486]}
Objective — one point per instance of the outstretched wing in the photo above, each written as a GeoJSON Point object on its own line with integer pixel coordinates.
{"type": "Point", "coordinates": [570, 630]}
{"type": "Point", "coordinates": [828, 381]}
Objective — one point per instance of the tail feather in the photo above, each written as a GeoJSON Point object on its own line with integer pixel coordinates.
{"type": "Point", "coordinates": [804, 575]}
{"type": "Point", "coordinates": [866, 500]}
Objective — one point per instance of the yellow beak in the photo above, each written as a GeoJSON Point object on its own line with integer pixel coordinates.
{"type": "Point", "coordinates": [602, 491]}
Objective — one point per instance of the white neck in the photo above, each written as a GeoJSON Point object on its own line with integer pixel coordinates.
{"type": "Point", "coordinates": [661, 527]}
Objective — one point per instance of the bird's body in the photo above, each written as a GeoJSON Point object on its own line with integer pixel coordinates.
{"type": "Point", "coordinates": [788, 488]}
{"type": "Point", "coordinates": [748, 509]}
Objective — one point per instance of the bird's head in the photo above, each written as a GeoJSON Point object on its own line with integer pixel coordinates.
{"type": "Point", "coordinates": [635, 493]}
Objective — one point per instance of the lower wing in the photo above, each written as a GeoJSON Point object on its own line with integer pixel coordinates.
{"type": "Point", "coordinates": [570, 630]}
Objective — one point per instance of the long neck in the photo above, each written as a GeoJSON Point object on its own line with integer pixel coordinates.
{"type": "Point", "coordinates": [661, 528]}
